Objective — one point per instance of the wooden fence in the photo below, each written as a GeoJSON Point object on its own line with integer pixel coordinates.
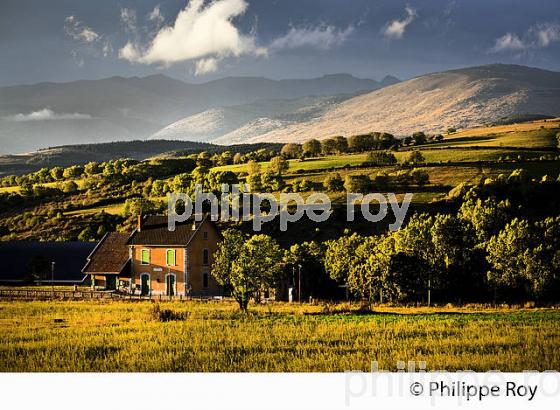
{"type": "Point", "coordinates": [31, 294]}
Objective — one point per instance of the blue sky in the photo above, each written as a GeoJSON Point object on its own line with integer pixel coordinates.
{"type": "Point", "coordinates": [63, 40]}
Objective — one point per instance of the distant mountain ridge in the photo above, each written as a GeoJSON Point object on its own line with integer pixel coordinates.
{"type": "Point", "coordinates": [458, 98]}
{"type": "Point", "coordinates": [117, 108]}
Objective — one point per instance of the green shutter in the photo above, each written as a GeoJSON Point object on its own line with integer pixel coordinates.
{"type": "Point", "coordinates": [145, 256]}
{"type": "Point", "coordinates": [171, 257]}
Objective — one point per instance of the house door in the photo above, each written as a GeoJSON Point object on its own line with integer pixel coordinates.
{"type": "Point", "coordinates": [170, 279]}
{"type": "Point", "coordinates": [110, 282]}
{"type": "Point", "coordinates": [145, 285]}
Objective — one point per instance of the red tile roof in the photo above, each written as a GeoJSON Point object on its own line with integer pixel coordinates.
{"type": "Point", "coordinates": [155, 232]}
{"type": "Point", "coordinates": [111, 255]}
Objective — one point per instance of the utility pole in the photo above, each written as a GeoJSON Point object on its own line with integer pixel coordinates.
{"type": "Point", "coordinates": [429, 292]}
{"type": "Point", "coordinates": [52, 277]}
{"type": "Point", "coordinates": [299, 284]}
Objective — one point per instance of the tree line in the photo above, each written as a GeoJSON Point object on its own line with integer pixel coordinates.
{"type": "Point", "coordinates": [493, 248]}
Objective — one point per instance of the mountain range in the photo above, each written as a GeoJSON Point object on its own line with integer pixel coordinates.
{"type": "Point", "coordinates": [117, 108]}
{"type": "Point", "coordinates": [252, 109]}
{"type": "Point", "coordinates": [461, 98]}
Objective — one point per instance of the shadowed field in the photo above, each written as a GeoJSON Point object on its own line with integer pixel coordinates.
{"type": "Point", "coordinates": [118, 336]}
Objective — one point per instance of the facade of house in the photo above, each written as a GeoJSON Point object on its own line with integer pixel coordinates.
{"type": "Point", "coordinates": [155, 261]}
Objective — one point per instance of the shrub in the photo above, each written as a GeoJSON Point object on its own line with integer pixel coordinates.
{"type": "Point", "coordinates": [333, 183]}
{"type": "Point", "coordinates": [378, 158]}
{"type": "Point", "coordinates": [415, 157]}
{"type": "Point", "coordinates": [166, 315]}
{"type": "Point", "coordinates": [420, 177]}
{"type": "Point", "coordinates": [357, 183]}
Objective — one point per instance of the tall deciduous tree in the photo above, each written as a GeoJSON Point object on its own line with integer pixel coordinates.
{"type": "Point", "coordinates": [256, 267]}
{"type": "Point", "coordinates": [229, 248]}
{"type": "Point", "coordinates": [278, 165]}
{"type": "Point", "coordinates": [340, 255]}
{"type": "Point", "coordinates": [312, 148]}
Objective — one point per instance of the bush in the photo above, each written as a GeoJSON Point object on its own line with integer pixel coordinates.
{"type": "Point", "coordinates": [378, 158]}
{"type": "Point", "coordinates": [357, 183]}
{"type": "Point", "coordinates": [334, 183]}
{"type": "Point", "coordinates": [415, 157]}
{"type": "Point", "coordinates": [420, 177]}
{"type": "Point", "coordinates": [166, 315]}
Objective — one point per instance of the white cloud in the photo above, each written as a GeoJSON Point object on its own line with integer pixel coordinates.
{"type": "Point", "coordinates": [78, 31]}
{"type": "Point", "coordinates": [509, 41]}
{"type": "Point", "coordinates": [536, 37]}
{"type": "Point", "coordinates": [47, 114]}
{"type": "Point", "coordinates": [206, 66]}
{"type": "Point", "coordinates": [129, 52]}
{"type": "Point", "coordinates": [200, 32]}
{"type": "Point", "coordinates": [322, 37]}
{"type": "Point", "coordinates": [107, 49]}
{"type": "Point", "coordinates": [396, 28]}
{"type": "Point", "coordinates": [546, 33]}
{"type": "Point", "coordinates": [128, 18]}
{"type": "Point", "coordinates": [156, 16]}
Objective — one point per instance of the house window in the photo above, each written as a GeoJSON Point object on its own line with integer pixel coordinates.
{"type": "Point", "coordinates": [205, 257]}
{"type": "Point", "coordinates": [145, 257]}
{"type": "Point", "coordinates": [205, 280]}
{"type": "Point", "coordinates": [171, 257]}
{"type": "Point", "coordinates": [205, 234]}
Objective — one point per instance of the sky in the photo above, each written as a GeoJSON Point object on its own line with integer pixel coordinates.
{"type": "Point", "coordinates": [202, 40]}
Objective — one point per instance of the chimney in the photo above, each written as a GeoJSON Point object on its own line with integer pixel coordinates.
{"type": "Point", "coordinates": [139, 223]}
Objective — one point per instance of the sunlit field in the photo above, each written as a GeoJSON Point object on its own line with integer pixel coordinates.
{"type": "Point", "coordinates": [214, 336]}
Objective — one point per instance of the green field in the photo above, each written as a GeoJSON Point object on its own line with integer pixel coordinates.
{"type": "Point", "coordinates": [124, 336]}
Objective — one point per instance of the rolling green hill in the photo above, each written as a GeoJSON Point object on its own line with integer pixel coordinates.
{"type": "Point", "coordinates": [96, 203]}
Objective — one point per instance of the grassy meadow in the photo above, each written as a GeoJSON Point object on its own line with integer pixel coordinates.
{"type": "Point", "coordinates": [214, 336]}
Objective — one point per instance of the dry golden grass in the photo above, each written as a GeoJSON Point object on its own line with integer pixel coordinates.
{"type": "Point", "coordinates": [123, 336]}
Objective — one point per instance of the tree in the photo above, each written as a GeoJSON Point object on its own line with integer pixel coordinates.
{"type": "Point", "coordinates": [360, 143]}
{"type": "Point", "coordinates": [334, 183]}
{"type": "Point", "coordinates": [380, 158]}
{"type": "Point", "coordinates": [380, 271]}
{"type": "Point", "coordinates": [237, 158]}
{"type": "Point", "coordinates": [415, 241]}
{"type": "Point", "coordinates": [487, 217]}
{"type": "Point", "coordinates": [291, 151]}
{"type": "Point", "coordinates": [525, 257]}
{"type": "Point", "coordinates": [69, 187]}
{"type": "Point", "coordinates": [271, 182]}
{"type": "Point", "coordinates": [415, 157]}
{"type": "Point", "coordinates": [137, 206]}
{"type": "Point", "coordinates": [253, 167]}
{"type": "Point", "coordinates": [311, 148]}
{"type": "Point", "coordinates": [357, 183]}
{"type": "Point", "coordinates": [419, 138]}
{"type": "Point", "coordinates": [278, 165]}
{"type": "Point", "coordinates": [340, 144]}
{"type": "Point", "coordinates": [340, 255]}
{"type": "Point", "coordinates": [255, 182]}
{"type": "Point", "coordinates": [57, 173]}
{"type": "Point", "coordinates": [420, 177]}
{"type": "Point", "coordinates": [229, 248]}
{"type": "Point", "coordinates": [255, 268]}
{"type": "Point", "coordinates": [92, 168]}
{"type": "Point", "coordinates": [328, 146]}
{"type": "Point", "coordinates": [509, 252]}
{"type": "Point", "coordinates": [86, 234]}
{"type": "Point", "coordinates": [74, 171]}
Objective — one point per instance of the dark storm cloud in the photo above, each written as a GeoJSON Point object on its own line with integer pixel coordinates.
{"type": "Point", "coordinates": [304, 38]}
